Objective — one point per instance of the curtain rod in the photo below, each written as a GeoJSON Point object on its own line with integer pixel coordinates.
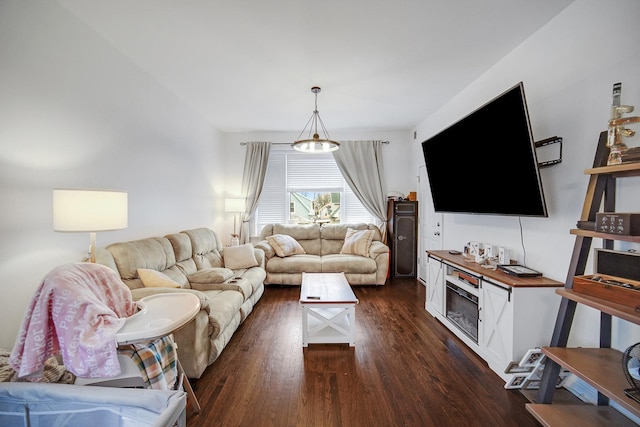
{"type": "Point", "coordinates": [289, 143]}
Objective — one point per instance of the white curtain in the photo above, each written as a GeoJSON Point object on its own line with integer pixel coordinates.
{"type": "Point", "coordinates": [255, 169]}
{"type": "Point", "coordinates": [361, 165]}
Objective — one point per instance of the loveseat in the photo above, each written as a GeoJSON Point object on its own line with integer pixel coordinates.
{"type": "Point", "coordinates": [293, 249]}
{"type": "Point", "coordinates": [229, 281]}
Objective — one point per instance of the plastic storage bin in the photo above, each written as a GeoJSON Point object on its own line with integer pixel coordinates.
{"type": "Point", "coordinates": [53, 405]}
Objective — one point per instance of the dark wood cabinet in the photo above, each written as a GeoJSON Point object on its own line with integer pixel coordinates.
{"type": "Point", "coordinates": [402, 236]}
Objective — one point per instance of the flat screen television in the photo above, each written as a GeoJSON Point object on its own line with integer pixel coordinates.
{"type": "Point", "coordinates": [486, 162]}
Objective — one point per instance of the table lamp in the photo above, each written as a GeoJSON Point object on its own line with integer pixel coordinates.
{"type": "Point", "coordinates": [79, 210]}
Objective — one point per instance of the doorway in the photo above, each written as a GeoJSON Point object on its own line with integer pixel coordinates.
{"type": "Point", "coordinates": [429, 225]}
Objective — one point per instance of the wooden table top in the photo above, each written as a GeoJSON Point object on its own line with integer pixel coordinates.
{"type": "Point", "coordinates": [513, 281]}
{"type": "Point", "coordinates": [326, 288]}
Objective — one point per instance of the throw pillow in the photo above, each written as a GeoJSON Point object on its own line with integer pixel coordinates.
{"type": "Point", "coordinates": [285, 245]}
{"type": "Point", "coordinates": [156, 279]}
{"type": "Point", "coordinates": [242, 256]}
{"type": "Point", "coordinates": [357, 242]}
{"type": "Point", "coordinates": [211, 275]}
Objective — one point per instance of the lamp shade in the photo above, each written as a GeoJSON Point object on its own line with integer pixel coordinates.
{"type": "Point", "coordinates": [79, 210]}
{"type": "Point", "coordinates": [315, 144]}
{"type": "Point", "coordinates": [234, 205]}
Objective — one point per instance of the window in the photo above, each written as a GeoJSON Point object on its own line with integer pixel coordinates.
{"type": "Point", "coordinates": [306, 188]}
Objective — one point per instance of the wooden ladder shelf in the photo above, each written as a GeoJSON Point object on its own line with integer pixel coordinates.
{"type": "Point", "coordinates": [600, 367]}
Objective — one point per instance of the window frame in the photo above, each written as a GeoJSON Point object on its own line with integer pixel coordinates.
{"type": "Point", "coordinates": [281, 160]}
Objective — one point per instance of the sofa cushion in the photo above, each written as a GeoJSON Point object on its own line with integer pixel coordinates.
{"type": "Point", "coordinates": [285, 245]}
{"type": "Point", "coordinates": [352, 264]}
{"type": "Point", "coordinates": [304, 263]}
{"type": "Point", "coordinates": [155, 253]}
{"type": "Point", "coordinates": [155, 279]}
{"type": "Point", "coordinates": [308, 235]}
{"type": "Point", "coordinates": [211, 275]}
{"type": "Point", "coordinates": [183, 252]}
{"type": "Point", "coordinates": [206, 248]}
{"type": "Point", "coordinates": [242, 256]}
{"type": "Point", "coordinates": [225, 305]}
{"type": "Point", "coordinates": [357, 242]}
{"type": "Point", "coordinates": [333, 235]}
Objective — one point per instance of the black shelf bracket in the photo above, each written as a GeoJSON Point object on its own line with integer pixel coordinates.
{"type": "Point", "coordinates": [549, 141]}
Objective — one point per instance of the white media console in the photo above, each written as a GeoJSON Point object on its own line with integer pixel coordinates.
{"type": "Point", "coordinates": [497, 315]}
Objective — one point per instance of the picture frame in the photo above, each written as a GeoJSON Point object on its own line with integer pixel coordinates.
{"type": "Point", "coordinates": [532, 358]}
{"type": "Point", "coordinates": [516, 381]}
{"type": "Point", "coordinates": [515, 368]}
{"type": "Point", "coordinates": [531, 384]}
{"type": "Point", "coordinates": [534, 383]}
{"type": "Point", "coordinates": [527, 374]}
{"type": "Point", "coordinates": [538, 370]}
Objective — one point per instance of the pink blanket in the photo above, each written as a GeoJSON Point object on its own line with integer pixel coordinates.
{"type": "Point", "coordinates": [76, 311]}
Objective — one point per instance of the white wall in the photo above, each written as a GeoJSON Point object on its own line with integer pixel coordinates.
{"type": "Point", "coordinates": [568, 69]}
{"type": "Point", "coordinates": [76, 113]}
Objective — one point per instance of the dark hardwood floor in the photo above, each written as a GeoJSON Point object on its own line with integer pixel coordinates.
{"type": "Point", "coordinates": [406, 369]}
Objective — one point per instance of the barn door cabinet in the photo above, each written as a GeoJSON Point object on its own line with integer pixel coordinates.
{"type": "Point", "coordinates": [514, 313]}
{"type": "Point", "coordinates": [434, 303]}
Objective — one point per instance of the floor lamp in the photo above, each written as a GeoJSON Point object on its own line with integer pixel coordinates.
{"type": "Point", "coordinates": [79, 210]}
{"type": "Point", "coordinates": [235, 206]}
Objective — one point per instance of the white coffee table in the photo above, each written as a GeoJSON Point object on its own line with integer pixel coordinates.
{"type": "Point", "coordinates": [328, 309]}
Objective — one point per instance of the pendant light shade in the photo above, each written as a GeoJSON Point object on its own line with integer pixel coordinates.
{"type": "Point", "coordinates": [313, 143]}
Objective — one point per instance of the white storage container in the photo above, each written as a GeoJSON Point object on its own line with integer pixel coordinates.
{"type": "Point", "coordinates": [43, 404]}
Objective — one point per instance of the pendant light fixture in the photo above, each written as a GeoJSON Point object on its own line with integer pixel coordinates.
{"type": "Point", "coordinates": [313, 143]}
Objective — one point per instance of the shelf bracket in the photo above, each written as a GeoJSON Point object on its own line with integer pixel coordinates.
{"type": "Point", "coordinates": [544, 143]}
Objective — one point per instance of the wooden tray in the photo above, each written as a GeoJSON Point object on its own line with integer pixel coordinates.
{"type": "Point", "coordinates": [611, 288]}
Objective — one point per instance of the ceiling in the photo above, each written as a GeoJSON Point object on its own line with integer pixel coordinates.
{"type": "Point", "coordinates": [249, 65]}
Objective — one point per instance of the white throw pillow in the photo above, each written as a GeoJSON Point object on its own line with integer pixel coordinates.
{"type": "Point", "coordinates": [357, 242]}
{"type": "Point", "coordinates": [242, 256]}
{"type": "Point", "coordinates": [156, 279]}
{"type": "Point", "coordinates": [285, 245]}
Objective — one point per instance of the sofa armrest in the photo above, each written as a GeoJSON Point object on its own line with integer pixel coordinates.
{"type": "Point", "coordinates": [260, 256]}
{"type": "Point", "coordinates": [378, 248]}
{"type": "Point", "coordinates": [266, 248]}
{"type": "Point", "coordinates": [379, 252]}
{"type": "Point", "coordinates": [140, 293]}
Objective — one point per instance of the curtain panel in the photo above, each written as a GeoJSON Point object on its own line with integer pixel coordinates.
{"type": "Point", "coordinates": [360, 163]}
{"type": "Point", "coordinates": [255, 169]}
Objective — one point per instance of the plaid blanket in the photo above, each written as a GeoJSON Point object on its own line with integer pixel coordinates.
{"type": "Point", "coordinates": [156, 361]}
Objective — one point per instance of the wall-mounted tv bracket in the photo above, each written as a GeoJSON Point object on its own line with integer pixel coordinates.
{"type": "Point", "coordinates": [549, 141]}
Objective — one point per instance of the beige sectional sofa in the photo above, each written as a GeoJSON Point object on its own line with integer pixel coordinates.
{"type": "Point", "coordinates": [228, 281]}
{"type": "Point", "coordinates": [324, 252]}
